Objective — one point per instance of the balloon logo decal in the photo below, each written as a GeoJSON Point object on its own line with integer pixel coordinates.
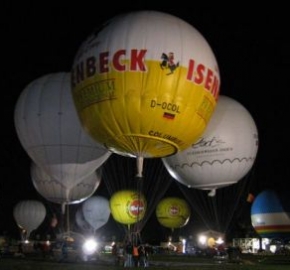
{"type": "Point", "coordinates": [174, 210]}
{"type": "Point", "coordinates": [168, 62]}
{"type": "Point", "coordinates": [128, 206]}
{"type": "Point", "coordinates": [136, 208]}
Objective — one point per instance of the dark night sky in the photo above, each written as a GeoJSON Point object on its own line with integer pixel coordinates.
{"type": "Point", "coordinates": [251, 47]}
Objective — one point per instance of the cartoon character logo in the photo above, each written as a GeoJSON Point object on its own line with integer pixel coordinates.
{"type": "Point", "coordinates": [168, 62]}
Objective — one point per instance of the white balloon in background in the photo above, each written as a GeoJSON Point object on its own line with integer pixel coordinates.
{"type": "Point", "coordinates": [54, 191]}
{"type": "Point", "coordinates": [223, 155]}
{"type": "Point", "coordinates": [29, 214]}
{"type": "Point", "coordinates": [81, 222]}
{"type": "Point", "coordinates": [96, 211]}
{"type": "Point", "coordinates": [50, 131]}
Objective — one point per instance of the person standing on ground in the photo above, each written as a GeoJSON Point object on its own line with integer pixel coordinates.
{"type": "Point", "coordinates": [135, 256]}
{"type": "Point", "coordinates": [64, 251]}
{"type": "Point", "coordinates": [129, 255]}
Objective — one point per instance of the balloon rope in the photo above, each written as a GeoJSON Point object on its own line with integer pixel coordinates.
{"type": "Point", "coordinates": [67, 219]}
{"type": "Point", "coordinates": [139, 177]}
{"type": "Point", "coordinates": [139, 166]}
{"type": "Point", "coordinates": [129, 233]}
{"type": "Point", "coordinates": [63, 208]}
{"type": "Point", "coordinates": [212, 192]}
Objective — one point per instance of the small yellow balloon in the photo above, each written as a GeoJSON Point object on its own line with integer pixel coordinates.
{"type": "Point", "coordinates": [173, 212]}
{"type": "Point", "coordinates": [128, 206]}
{"type": "Point", "coordinates": [211, 242]}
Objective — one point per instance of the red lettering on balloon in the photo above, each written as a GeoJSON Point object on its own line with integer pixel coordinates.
{"type": "Point", "coordinates": [117, 62]}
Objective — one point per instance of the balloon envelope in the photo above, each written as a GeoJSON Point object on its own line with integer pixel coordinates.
{"type": "Point", "coordinates": [29, 214]}
{"type": "Point", "coordinates": [96, 211]}
{"type": "Point", "coordinates": [270, 216]}
{"type": "Point", "coordinates": [49, 130]}
{"type": "Point", "coordinates": [54, 191]}
{"type": "Point", "coordinates": [173, 212]}
{"type": "Point", "coordinates": [81, 222]}
{"type": "Point", "coordinates": [142, 80]}
{"type": "Point", "coordinates": [128, 206]}
{"type": "Point", "coordinates": [223, 155]}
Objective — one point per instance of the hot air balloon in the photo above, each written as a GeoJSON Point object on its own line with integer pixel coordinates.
{"type": "Point", "coordinates": [96, 211]}
{"type": "Point", "coordinates": [173, 212]}
{"type": "Point", "coordinates": [119, 173]}
{"type": "Point", "coordinates": [29, 214]}
{"type": "Point", "coordinates": [49, 130]}
{"type": "Point", "coordinates": [82, 223]}
{"type": "Point", "coordinates": [223, 155]}
{"type": "Point", "coordinates": [145, 84]}
{"type": "Point", "coordinates": [55, 191]}
{"type": "Point", "coordinates": [270, 214]}
{"type": "Point", "coordinates": [128, 206]}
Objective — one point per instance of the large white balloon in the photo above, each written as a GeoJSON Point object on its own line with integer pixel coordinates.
{"type": "Point", "coordinates": [96, 211]}
{"type": "Point", "coordinates": [223, 155]}
{"type": "Point", "coordinates": [55, 191]}
{"type": "Point", "coordinates": [140, 80]}
{"type": "Point", "coordinates": [51, 133]}
{"type": "Point", "coordinates": [29, 214]}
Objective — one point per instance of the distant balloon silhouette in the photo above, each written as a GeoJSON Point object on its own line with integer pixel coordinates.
{"type": "Point", "coordinates": [96, 211]}
{"type": "Point", "coordinates": [29, 214]}
{"type": "Point", "coordinates": [142, 79]}
{"type": "Point", "coordinates": [82, 223]}
{"type": "Point", "coordinates": [223, 155]}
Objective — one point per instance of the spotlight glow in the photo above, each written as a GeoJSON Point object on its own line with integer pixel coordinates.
{"type": "Point", "coordinates": [90, 247]}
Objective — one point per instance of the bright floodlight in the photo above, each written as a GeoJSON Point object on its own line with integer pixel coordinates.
{"type": "Point", "coordinates": [219, 241]}
{"type": "Point", "coordinates": [90, 246]}
{"type": "Point", "coordinates": [202, 239]}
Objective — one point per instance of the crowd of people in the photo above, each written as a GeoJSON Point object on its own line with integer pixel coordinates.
{"type": "Point", "coordinates": [131, 255]}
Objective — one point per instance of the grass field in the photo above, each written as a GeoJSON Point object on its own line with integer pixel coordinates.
{"type": "Point", "coordinates": [179, 262]}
